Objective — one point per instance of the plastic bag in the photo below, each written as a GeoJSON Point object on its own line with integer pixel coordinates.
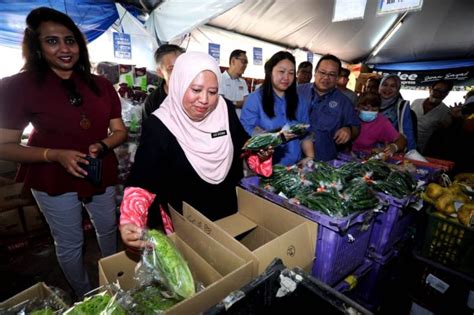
{"type": "Point", "coordinates": [163, 263]}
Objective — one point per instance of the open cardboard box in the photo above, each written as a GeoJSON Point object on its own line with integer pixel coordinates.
{"type": "Point", "coordinates": [220, 270]}
{"type": "Point", "coordinates": [261, 231]}
{"type": "Point", "coordinates": [39, 290]}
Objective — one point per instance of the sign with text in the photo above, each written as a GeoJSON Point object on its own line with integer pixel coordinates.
{"type": "Point", "coordinates": [309, 57]}
{"type": "Point", "coordinates": [214, 50]}
{"type": "Point", "coordinates": [398, 6]}
{"type": "Point", "coordinates": [122, 46]}
{"type": "Point", "coordinates": [460, 76]}
{"type": "Point", "coordinates": [257, 56]}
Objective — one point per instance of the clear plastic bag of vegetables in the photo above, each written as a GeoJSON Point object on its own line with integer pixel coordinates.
{"type": "Point", "coordinates": [50, 305]}
{"type": "Point", "coordinates": [266, 139]}
{"type": "Point", "coordinates": [105, 300]}
{"type": "Point", "coordinates": [151, 299]}
{"type": "Point", "coordinates": [162, 262]}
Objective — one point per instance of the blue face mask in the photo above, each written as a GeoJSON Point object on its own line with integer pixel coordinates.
{"type": "Point", "coordinates": [367, 116]}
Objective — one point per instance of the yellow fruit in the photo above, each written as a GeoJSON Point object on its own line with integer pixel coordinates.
{"type": "Point", "coordinates": [464, 214]}
{"type": "Point", "coordinates": [434, 190]}
{"type": "Point", "coordinates": [443, 202]}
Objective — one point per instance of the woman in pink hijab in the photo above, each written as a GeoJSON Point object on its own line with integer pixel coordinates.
{"type": "Point", "coordinates": [189, 151]}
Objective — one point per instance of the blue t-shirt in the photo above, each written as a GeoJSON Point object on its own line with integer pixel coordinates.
{"type": "Point", "coordinates": [328, 113]}
{"type": "Point", "coordinates": [253, 116]}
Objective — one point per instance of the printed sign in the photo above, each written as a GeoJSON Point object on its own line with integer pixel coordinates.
{"type": "Point", "coordinates": [215, 51]}
{"type": "Point", "coordinates": [309, 57]}
{"type": "Point", "coordinates": [460, 76]}
{"type": "Point", "coordinates": [257, 56]}
{"type": "Point", "coordinates": [398, 6]}
{"type": "Point", "coordinates": [122, 46]}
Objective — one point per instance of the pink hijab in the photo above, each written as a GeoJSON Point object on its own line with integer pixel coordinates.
{"type": "Point", "coordinates": [210, 155]}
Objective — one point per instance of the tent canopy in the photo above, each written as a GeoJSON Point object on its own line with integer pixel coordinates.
{"type": "Point", "coordinates": [441, 30]}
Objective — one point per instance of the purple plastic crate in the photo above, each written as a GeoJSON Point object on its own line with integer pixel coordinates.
{"type": "Point", "coordinates": [342, 242]}
{"type": "Point", "coordinates": [369, 288]}
{"type": "Point", "coordinates": [390, 226]}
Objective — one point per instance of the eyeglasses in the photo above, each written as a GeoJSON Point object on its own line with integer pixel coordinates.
{"type": "Point", "coordinates": [75, 99]}
{"type": "Point", "coordinates": [329, 75]}
{"type": "Point", "coordinates": [243, 60]}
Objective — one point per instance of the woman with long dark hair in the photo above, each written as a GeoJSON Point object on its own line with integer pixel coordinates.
{"type": "Point", "coordinates": [76, 118]}
{"type": "Point", "coordinates": [275, 104]}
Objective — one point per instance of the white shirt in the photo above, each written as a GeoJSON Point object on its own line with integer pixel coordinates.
{"type": "Point", "coordinates": [429, 122]}
{"type": "Point", "coordinates": [233, 89]}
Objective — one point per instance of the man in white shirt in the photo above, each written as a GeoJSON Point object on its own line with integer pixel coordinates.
{"type": "Point", "coordinates": [232, 86]}
{"type": "Point", "coordinates": [431, 112]}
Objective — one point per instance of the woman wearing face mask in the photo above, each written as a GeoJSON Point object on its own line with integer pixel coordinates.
{"type": "Point", "coordinates": [397, 110]}
{"type": "Point", "coordinates": [275, 104]}
{"type": "Point", "coordinates": [376, 130]}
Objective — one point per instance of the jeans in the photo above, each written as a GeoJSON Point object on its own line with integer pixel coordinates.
{"type": "Point", "coordinates": [64, 216]}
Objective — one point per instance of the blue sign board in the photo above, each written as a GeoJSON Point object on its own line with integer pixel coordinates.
{"type": "Point", "coordinates": [309, 56]}
{"type": "Point", "coordinates": [215, 51]}
{"type": "Point", "coordinates": [257, 56]}
{"type": "Point", "coordinates": [122, 46]}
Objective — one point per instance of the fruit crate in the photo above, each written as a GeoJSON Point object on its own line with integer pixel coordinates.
{"type": "Point", "coordinates": [449, 243]}
{"type": "Point", "coordinates": [283, 291]}
{"type": "Point", "coordinates": [342, 242]}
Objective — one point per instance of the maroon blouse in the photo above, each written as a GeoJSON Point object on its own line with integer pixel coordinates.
{"type": "Point", "coordinates": [46, 105]}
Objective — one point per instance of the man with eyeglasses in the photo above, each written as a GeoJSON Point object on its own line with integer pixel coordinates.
{"type": "Point", "coordinates": [332, 116]}
{"type": "Point", "coordinates": [431, 112]}
{"type": "Point", "coordinates": [232, 86]}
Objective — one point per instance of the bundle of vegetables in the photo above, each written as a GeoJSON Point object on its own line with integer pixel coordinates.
{"type": "Point", "coordinates": [101, 303]}
{"type": "Point", "coordinates": [167, 265]}
{"type": "Point", "coordinates": [323, 175]}
{"type": "Point", "coordinates": [48, 305]}
{"type": "Point", "coordinates": [297, 129]}
{"type": "Point", "coordinates": [263, 141]}
{"type": "Point", "coordinates": [328, 202]}
{"type": "Point", "coordinates": [358, 196]}
{"type": "Point", "coordinates": [150, 300]}
{"type": "Point", "coordinates": [375, 169]}
{"type": "Point", "coordinates": [450, 202]}
{"type": "Point", "coordinates": [286, 180]}
{"type": "Point", "coordinates": [397, 184]}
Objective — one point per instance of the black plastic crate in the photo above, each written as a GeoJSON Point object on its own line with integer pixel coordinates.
{"type": "Point", "coordinates": [268, 294]}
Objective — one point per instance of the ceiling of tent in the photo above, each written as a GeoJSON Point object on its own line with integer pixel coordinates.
{"type": "Point", "coordinates": [442, 30]}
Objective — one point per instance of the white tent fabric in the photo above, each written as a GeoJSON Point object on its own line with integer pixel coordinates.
{"type": "Point", "coordinates": [174, 18]}
{"type": "Point", "coordinates": [143, 43]}
{"type": "Point", "coordinates": [200, 38]}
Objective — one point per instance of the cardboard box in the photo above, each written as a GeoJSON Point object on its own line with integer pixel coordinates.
{"type": "Point", "coordinates": [34, 219]}
{"type": "Point", "coordinates": [264, 231]}
{"type": "Point", "coordinates": [12, 196]}
{"type": "Point", "coordinates": [39, 290]}
{"type": "Point", "coordinates": [216, 267]}
{"type": "Point", "coordinates": [10, 222]}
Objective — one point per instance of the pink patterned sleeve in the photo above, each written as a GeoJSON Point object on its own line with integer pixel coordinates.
{"type": "Point", "coordinates": [134, 207]}
{"type": "Point", "coordinates": [264, 168]}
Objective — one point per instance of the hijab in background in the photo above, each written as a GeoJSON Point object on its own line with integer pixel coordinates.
{"type": "Point", "coordinates": [386, 107]}
{"type": "Point", "coordinates": [210, 157]}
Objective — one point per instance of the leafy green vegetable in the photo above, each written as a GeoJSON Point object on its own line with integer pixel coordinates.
{"type": "Point", "coordinates": [95, 305]}
{"type": "Point", "coordinates": [263, 141]}
{"type": "Point", "coordinates": [149, 300]}
{"type": "Point", "coordinates": [171, 265]}
{"type": "Point", "coordinates": [44, 311]}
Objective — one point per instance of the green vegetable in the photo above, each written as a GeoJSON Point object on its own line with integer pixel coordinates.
{"type": "Point", "coordinates": [44, 311]}
{"type": "Point", "coordinates": [95, 305]}
{"type": "Point", "coordinates": [171, 265]}
{"type": "Point", "coordinates": [298, 129]}
{"type": "Point", "coordinates": [263, 141]}
{"type": "Point", "coordinates": [149, 300]}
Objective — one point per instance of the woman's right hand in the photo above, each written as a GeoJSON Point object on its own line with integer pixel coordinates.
{"type": "Point", "coordinates": [69, 159]}
{"type": "Point", "coordinates": [132, 235]}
